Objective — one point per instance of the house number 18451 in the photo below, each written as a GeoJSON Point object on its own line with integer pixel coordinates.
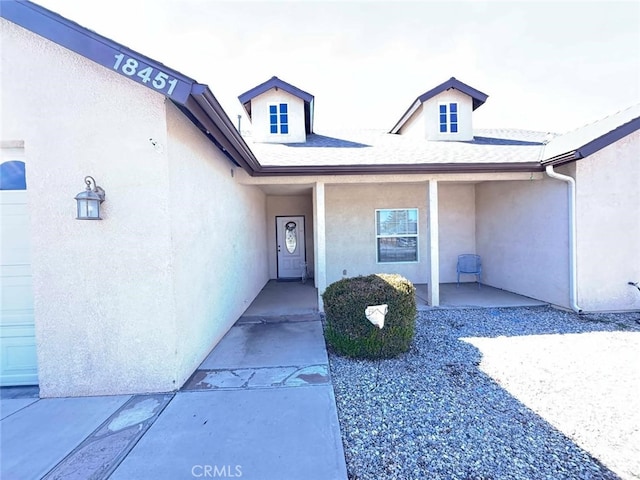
{"type": "Point", "coordinates": [129, 66]}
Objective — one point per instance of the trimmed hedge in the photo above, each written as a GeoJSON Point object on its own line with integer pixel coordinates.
{"type": "Point", "coordinates": [347, 329]}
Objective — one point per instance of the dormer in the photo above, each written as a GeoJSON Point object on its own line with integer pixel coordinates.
{"type": "Point", "coordinates": [279, 112]}
{"type": "Point", "coordinates": [442, 113]}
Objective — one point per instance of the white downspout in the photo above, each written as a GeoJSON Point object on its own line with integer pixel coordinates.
{"type": "Point", "coordinates": [573, 276]}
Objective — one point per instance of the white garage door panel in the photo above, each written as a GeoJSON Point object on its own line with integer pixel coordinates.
{"type": "Point", "coordinates": [17, 334]}
{"type": "Point", "coordinates": [17, 290]}
{"type": "Point", "coordinates": [15, 229]}
{"type": "Point", "coordinates": [18, 356]}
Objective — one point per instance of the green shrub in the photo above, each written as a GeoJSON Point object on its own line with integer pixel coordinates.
{"type": "Point", "coordinates": [347, 329]}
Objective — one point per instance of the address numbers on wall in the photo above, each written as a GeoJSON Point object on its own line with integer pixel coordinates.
{"type": "Point", "coordinates": [147, 75]}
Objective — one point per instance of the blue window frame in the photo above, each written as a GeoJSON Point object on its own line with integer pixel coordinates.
{"type": "Point", "coordinates": [448, 117]}
{"type": "Point", "coordinates": [443, 119]}
{"type": "Point", "coordinates": [273, 118]}
{"type": "Point", "coordinates": [279, 118]}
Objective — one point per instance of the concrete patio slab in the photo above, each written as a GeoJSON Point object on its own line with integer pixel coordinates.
{"type": "Point", "coordinates": [260, 434]}
{"type": "Point", "coordinates": [37, 437]}
{"type": "Point", "coordinates": [468, 295]}
{"type": "Point", "coordinates": [278, 344]}
{"type": "Point", "coordinates": [284, 298]}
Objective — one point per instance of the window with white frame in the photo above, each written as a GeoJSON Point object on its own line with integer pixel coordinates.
{"type": "Point", "coordinates": [279, 118]}
{"type": "Point", "coordinates": [448, 117]}
{"type": "Point", "coordinates": [397, 235]}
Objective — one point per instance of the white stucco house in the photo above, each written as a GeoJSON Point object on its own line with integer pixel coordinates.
{"type": "Point", "coordinates": [197, 218]}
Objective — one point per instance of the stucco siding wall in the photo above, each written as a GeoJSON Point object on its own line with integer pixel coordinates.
{"type": "Point", "coordinates": [351, 233]}
{"type": "Point", "coordinates": [218, 242]}
{"type": "Point", "coordinates": [103, 304]}
{"type": "Point", "coordinates": [289, 205]}
{"type": "Point", "coordinates": [431, 114]}
{"type": "Point", "coordinates": [522, 237]}
{"type": "Point", "coordinates": [351, 236]}
{"type": "Point", "coordinates": [457, 227]}
{"type": "Point", "coordinates": [260, 117]}
{"type": "Point", "coordinates": [608, 214]}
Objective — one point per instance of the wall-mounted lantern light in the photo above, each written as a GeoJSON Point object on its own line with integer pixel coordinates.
{"type": "Point", "coordinates": [89, 201]}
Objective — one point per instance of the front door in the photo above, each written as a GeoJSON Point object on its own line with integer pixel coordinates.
{"type": "Point", "coordinates": [291, 250]}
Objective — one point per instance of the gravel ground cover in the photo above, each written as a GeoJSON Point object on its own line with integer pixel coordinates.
{"type": "Point", "coordinates": [433, 413]}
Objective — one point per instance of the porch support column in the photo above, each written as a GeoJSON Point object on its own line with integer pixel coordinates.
{"type": "Point", "coordinates": [319, 244]}
{"type": "Point", "coordinates": [433, 288]}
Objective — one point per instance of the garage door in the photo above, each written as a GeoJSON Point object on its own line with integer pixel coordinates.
{"type": "Point", "coordinates": [18, 365]}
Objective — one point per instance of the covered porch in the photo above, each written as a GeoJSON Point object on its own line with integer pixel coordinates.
{"type": "Point", "coordinates": [506, 218]}
{"type": "Point", "coordinates": [297, 298]}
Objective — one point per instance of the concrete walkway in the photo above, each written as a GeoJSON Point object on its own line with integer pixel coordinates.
{"type": "Point", "coordinates": [260, 407]}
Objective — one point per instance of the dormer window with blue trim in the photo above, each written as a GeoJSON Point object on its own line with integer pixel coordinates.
{"type": "Point", "coordinates": [279, 118]}
{"type": "Point", "coordinates": [448, 118]}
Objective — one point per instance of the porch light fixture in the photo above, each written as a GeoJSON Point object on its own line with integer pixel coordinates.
{"type": "Point", "coordinates": [89, 201]}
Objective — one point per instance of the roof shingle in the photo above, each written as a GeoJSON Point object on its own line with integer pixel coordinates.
{"type": "Point", "coordinates": [375, 147]}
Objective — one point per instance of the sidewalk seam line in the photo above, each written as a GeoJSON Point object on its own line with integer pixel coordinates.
{"type": "Point", "coordinates": [20, 409]}
{"type": "Point", "coordinates": [124, 453]}
{"type": "Point", "coordinates": [127, 451]}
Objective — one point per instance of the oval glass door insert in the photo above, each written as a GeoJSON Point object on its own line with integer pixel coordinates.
{"type": "Point", "coordinates": [291, 236]}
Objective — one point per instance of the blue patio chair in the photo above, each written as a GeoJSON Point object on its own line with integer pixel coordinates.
{"type": "Point", "coordinates": [469, 264]}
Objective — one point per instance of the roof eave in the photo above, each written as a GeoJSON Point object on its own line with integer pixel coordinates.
{"type": "Point", "coordinates": [91, 45]}
{"type": "Point", "coordinates": [562, 158]}
{"type": "Point", "coordinates": [203, 105]}
{"type": "Point", "coordinates": [247, 108]}
{"type": "Point", "coordinates": [596, 144]}
{"type": "Point", "coordinates": [406, 116]}
{"type": "Point", "coordinates": [477, 96]}
{"type": "Point", "coordinates": [194, 100]}
{"type": "Point", "coordinates": [305, 170]}
{"type": "Point", "coordinates": [275, 82]}
{"type": "Point", "coordinates": [609, 138]}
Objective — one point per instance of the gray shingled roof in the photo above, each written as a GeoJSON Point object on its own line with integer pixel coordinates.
{"type": "Point", "coordinates": [491, 148]}
{"type": "Point", "coordinates": [376, 147]}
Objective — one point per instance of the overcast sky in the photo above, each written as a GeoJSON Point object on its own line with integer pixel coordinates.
{"type": "Point", "coordinates": [549, 66]}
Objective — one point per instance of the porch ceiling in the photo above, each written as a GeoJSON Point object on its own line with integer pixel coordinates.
{"type": "Point", "coordinates": [302, 189]}
{"type": "Point", "coordinates": [307, 189]}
